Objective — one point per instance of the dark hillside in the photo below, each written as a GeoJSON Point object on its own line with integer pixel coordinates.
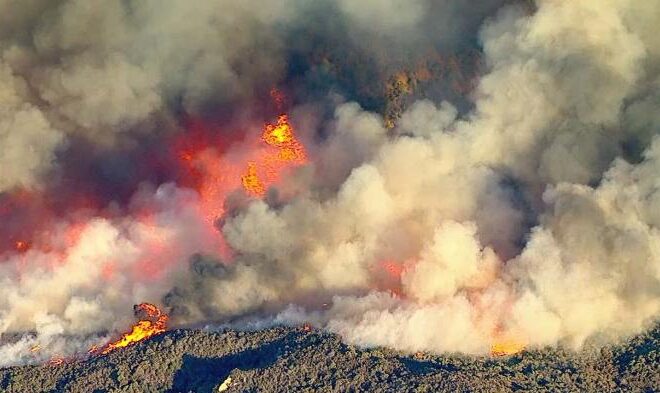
{"type": "Point", "coordinates": [285, 359]}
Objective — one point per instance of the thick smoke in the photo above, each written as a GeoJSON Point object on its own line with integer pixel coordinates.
{"type": "Point", "coordinates": [528, 215]}
{"type": "Point", "coordinates": [28, 140]}
{"type": "Point", "coordinates": [527, 219]}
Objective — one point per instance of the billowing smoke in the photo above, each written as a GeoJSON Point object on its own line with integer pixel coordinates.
{"type": "Point", "coordinates": [513, 199]}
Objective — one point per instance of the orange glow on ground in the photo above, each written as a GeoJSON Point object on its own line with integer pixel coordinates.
{"type": "Point", "coordinates": [56, 361]}
{"type": "Point", "coordinates": [506, 347]}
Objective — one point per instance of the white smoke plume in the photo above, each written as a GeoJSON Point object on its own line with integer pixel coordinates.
{"type": "Point", "coordinates": [530, 216]}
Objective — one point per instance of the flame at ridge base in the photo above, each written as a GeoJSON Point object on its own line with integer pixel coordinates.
{"type": "Point", "coordinates": [506, 348]}
{"type": "Point", "coordinates": [155, 323]}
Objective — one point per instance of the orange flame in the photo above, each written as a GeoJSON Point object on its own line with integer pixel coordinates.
{"type": "Point", "coordinates": [56, 361]}
{"type": "Point", "coordinates": [393, 269]}
{"type": "Point", "coordinates": [155, 323]}
{"type": "Point", "coordinates": [280, 134]}
{"type": "Point", "coordinates": [21, 246]}
{"type": "Point", "coordinates": [506, 347]}
{"type": "Point", "coordinates": [251, 181]}
{"type": "Point", "coordinates": [265, 169]}
{"type": "Point", "coordinates": [94, 349]}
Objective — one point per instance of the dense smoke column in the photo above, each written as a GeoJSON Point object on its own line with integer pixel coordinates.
{"type": "Point", "coordinates": [111, 84]}
{"type": "Point", "coordinates": [521, 222]}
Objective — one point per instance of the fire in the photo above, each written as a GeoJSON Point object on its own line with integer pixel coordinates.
{"type": "Point", "coordinates": [278, 134]}
{"type": "Point", "coordinates": [506, 341]}
{"type": "Point", "coordinates": [388, 276]}
{"type": "Point", "coordinates": [392, 268]}
{"type": "Point", "coordinates": [214, 166]}
{"type": "Point", "coordinates": [261, 164]}
{"type": "Point", "coordinates": [251, 181]}
{"type": "Point", "coordinates": [281, 135]}
{"type": "Point", "coordinates": [56, 361]}
{"type": "Point", "coordinates": [154, 323]}
{"type": "Point", "coordinates": [506, 347]}
{"type": "Point", "coordinates": [265, 168]}
{"type": "Point", "coordinates": [94, 349]}
{"type": "Point", "coordinates": [21, 246]}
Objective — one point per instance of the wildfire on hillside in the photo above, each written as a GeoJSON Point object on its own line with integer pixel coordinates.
{"type": "Point", "coordinates": [251, 182]}
{"type": "Point", "coordinates": [506, 348]}
{"type": "Point", "coordinates": [152, 322]}
{"type": "Point", "coordinates": [424, 169]}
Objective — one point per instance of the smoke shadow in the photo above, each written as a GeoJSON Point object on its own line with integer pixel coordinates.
{"type": "Point", "coordinates": [422, 367]}
{"type": "Point", "coordinates": [203, 375]}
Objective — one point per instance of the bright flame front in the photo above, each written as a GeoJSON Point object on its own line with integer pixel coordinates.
{"type": "Point", "coordinates": [155, 322]}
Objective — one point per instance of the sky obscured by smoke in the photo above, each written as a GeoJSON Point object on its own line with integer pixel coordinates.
{"type": "Point", "coordinates": [530, 215]}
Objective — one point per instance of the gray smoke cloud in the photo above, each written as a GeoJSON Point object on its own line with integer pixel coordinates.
{"type": "Point", "coordinates": [527, 219]}
{"type": "Point", "coordinates": [27, 140]}
{"type": "Point", "coordinates": [106, 69]}
{"type": "Point", "coordinates": [530, 216]}
{"type": "Point", "coordinates": [101, 70]}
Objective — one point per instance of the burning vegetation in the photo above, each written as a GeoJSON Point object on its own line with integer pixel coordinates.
{"type": "Point", "coordinates": [476, 177]}
{"type": "Point", "coordinates": [152, 322]}
{"type": "Point", "coordinates": [286, 152]}
{"type": "Point", "coordinates": [251, 182]}
{"type": "Point", "coordinates": [290, 359]}
{"type": "Point", "coordinates": [506, 348]}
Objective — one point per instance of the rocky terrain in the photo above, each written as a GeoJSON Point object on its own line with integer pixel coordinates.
{"type": "Point", "coordinates": [296, 359]}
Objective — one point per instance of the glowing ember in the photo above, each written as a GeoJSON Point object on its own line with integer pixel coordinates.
{"type": "Point", "coordinates": [506, 348]}
{"type": "Point", "coordinates": [154, 323]}
{"type": "Point", "coordinates": [392, 268]}
{"type": "Point", "coordinates": [251, 181]}
{"type": "Point", "coordinates": [225, 385]}
{"type": "Point", "coordinates": [56, 361]}
{"type": "Point", "coordinates": [186, 156]}
{"type": "Point", "coordinates": [21, 246]}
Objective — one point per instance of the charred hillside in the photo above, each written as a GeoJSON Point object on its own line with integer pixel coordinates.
{"type": "Point", "coordinates": [294, 359]}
